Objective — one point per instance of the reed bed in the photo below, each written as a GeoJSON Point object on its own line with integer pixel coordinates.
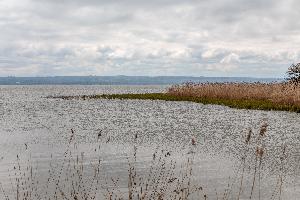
{"type": "Point", "coordinates": [278, 93]}
{"type": "Point", "coordinates": [259, 96]}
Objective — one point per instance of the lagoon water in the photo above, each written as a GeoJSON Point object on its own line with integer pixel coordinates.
{"type": "Point", "coordinates": [36, 131]}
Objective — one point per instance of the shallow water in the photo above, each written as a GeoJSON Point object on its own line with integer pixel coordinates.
{"type": "Point", "coordinates": [38, 131]}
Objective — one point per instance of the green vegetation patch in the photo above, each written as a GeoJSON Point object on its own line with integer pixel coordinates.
{"type": "Point", "coordinates": [233, 103]}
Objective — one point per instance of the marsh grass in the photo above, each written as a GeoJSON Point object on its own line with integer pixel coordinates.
{"type": "Point", "coordinates": [277, 96]}
{"type": "Point", "coordinates": [260, 96]}
{"type": "Point", "coordinates": [233, 103]}
{"type": "Point", "coordinates": [74, 179]}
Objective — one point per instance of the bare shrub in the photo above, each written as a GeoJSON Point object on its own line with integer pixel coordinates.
{"type": "Point", "coordinates": [293, 74]}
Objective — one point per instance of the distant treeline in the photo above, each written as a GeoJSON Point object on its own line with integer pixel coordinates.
{"type": "Point", "coordinates": [124, 80]}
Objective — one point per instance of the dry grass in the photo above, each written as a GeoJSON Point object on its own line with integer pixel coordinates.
{"type": "Point", "coordinates": [279, 93]}
{"type": "Point", "coordinates": [74, 180]}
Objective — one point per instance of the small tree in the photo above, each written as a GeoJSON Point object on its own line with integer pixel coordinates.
{"type": "Point", "coordinates": [293, 74]}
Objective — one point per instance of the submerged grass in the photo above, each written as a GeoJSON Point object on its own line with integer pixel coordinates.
{"type": "Point", "coordinates": [72, 179]}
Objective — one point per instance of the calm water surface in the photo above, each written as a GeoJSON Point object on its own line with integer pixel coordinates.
{"type": "Point", "coordinates": [36, 130]}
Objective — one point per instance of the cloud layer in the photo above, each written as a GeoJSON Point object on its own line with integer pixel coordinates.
{"type": "Point", "coordinates": [159, 37]}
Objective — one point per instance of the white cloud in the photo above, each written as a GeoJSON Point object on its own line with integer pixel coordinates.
{"type": "Point", "coordinates": [230, 59]}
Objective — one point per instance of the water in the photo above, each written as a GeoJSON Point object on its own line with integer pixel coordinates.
{"type": "Point", "coordinates": [38, 131]}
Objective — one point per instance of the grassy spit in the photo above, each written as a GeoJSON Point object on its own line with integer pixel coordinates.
{"type": "Point", "coordinates": [259, 96]}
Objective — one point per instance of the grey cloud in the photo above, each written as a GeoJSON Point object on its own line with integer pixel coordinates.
{"type": "Point", "coordinates": [208, 37]}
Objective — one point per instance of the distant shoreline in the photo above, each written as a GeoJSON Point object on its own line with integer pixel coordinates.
{"type": "Point", "coordinates": [125, 80]}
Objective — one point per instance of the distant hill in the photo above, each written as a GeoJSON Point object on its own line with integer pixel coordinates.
{"type": "Point", "coordinates": [122, 80]}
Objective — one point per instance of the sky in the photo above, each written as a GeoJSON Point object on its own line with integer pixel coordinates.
{"type": "Point", "coordinates": [257, 38]}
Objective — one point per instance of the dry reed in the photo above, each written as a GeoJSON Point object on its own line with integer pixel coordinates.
{"type": "Point", "coordinates": [280, 93]}
{"type": "Point", "coordinates": [71, 180]}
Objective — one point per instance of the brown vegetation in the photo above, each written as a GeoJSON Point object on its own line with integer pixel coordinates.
{"type": "Point", "coordinates": [259, 96]}
{"type": "Point", "coordinates": [278, 93]}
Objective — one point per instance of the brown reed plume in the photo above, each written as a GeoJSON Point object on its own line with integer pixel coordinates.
{"type": "Point", "coordinates": [281, 93]}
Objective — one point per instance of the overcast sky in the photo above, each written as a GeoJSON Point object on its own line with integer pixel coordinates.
{"type": "Point", "coordinates": [259, 38]}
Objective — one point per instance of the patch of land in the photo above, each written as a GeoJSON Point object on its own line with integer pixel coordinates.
{"type": "Point", "coordinates": [233, 103]}
{"type": "Point", "coordinates": [259, 96]}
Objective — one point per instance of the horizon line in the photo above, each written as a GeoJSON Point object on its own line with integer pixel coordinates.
{"type": "Point", "coordinates": [53, 76]}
